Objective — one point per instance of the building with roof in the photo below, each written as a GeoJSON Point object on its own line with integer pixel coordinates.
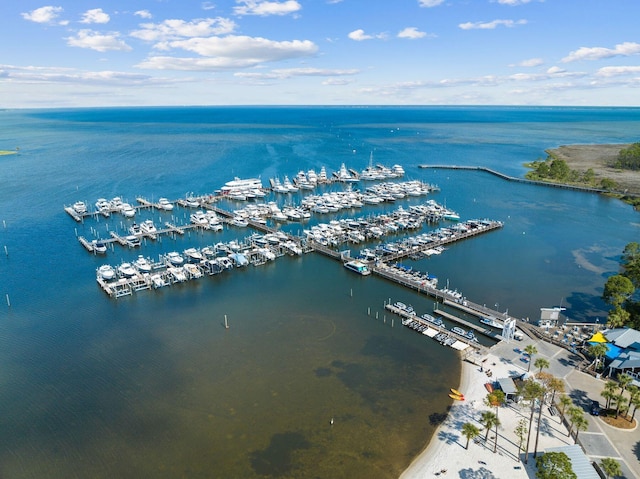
{"type": "Point", "coordinates": [623, 352]}
{"type": "Point", "coordinates": [549, 317]}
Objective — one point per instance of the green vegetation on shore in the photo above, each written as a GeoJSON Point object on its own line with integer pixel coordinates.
{"type": "Point", "coordinates": [620, 290]}
{"type": "Point", "coordinates": [629, 158]}
{"type": "Point", "coordinates": [556, 170]}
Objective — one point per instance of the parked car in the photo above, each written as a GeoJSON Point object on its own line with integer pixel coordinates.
{"type": "Point", "coordinates": [595, 408]}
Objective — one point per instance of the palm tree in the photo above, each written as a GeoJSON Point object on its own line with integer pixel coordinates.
{"type": "Point", "coordinates": [633, 392]}
{"type": "Point", "coordinates": [597, 350]}
{"type": "Point", "coordinates": [543, 393]}
{"type": "Point", "coordinates": [531, 350]}
{"type": "Point", "coordinates": [556, 385]}
{"type": "Point", "coordinates": [564, 401]}
{"type": "Point", "coordinates": [581, 423]}
{"type": "Point", "coordinates": [530, 391]}
{"type": "Point", "coordinates": [495, 398]}
{"type": "Point", "coordinates": [624, 380]}
{"type": "Point", "coordinates": [619, 400]}
{"type": "Point", "coordinates": [469, 431]}
{"type": "Point", "coordinates": [488, 420]}
{"type": "Point", "coordinates": [636, 403]}
{"type": "Point", "coordinates": [574, 412]}
{"type": "Point", "coordinates": [521, 430]}
{"type": "Point", "coordinates": [541, 363]}
{"type": "Point", "coordinates": [610, 467]}
{"type": "Point", "coordinates": [609, 391]}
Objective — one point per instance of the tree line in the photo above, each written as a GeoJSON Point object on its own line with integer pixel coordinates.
{"type": "Point", "coordinates": [620, 290]}
{"type": "Point", "coordinates": [556, 170]}
{"type": "Point", "coordinates": [629, 158]}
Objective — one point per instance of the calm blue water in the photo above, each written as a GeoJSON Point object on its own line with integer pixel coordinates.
{"type": "Point", "coordinates": [153, 385]}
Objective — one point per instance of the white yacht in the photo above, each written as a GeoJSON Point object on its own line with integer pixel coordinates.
{"type": "Point", "coordinates": [142, 264]}
{"type": "Point", "coordinates": [175, 258]}
{"type": "Point", "coordinates": [126, 270]}
{"type": "Point", "coordinates": [242, 185]}
{"type": "Point", "coordinates": [80, 207]}
{"type": "Point", "coordinates": [345, 175]}
{"type": "Point", "coordinates": [199, 218]}
{"type": "Point", "coordinates": [106, 272]}
{"type": "Point", "coordinates": [358, 266]}
{"type": "Point", "coordinates": [99, 247]}
{"type": "Point", "coordinates": [147, 227]}
{"type": "Point", "coordinates": [127, 210]}
{"type": "Point", "coordinates": [165, 204]}
{"type": "Point", "coordinates": [132, 241]}
{"type": "Point", "coordinates": [193, 255]}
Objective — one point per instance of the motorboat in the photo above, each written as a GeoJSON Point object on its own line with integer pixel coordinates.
{"type": "Point", "coordinates": [106, 272]}
{"type": "Point", "coordinates": [239, 259]}
{"type": "Point", "coordinates": [193, 255]}
{"type": "Point", "coordinates": [99, 247]}
{"type": "Point", "coordinates": [132, 241]}
{"type": "Point", "coordinates": [199, 218]}
{"type": "Point", "coordinates": [175, 258]}
{"type": "Point", "coordinates": [432, 319]}
{"type": "Point", "coordinates": [142, 264]}
{"type": "Point", "coordinates": [80, 207]}
{"type": "Point", "coordinates": [134, 229]}
{"type": "Point", "coordinates": [177, 274]}
{"type": "Point", "coordinates": [127, 210]}
{"type": "Point", "coordinates": [126, 270]}
{"type": "Point", "coordinates": [192, 270]}
{"type": "Point", "coordinates": [103, 207]}
{"type": "Point", "coordinates": [458, 330]}
{"type": "Point", "coordinates": [147, 227]}
{"type": "Point", "coordinates": [165, 204]}
{"type": "Point", "coordinates": [358, 266]}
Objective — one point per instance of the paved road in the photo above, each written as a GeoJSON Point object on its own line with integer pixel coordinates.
{"type": "Point", "coordinates": [599, 440]}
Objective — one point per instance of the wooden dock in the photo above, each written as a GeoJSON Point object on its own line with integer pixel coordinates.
{"type": "Point", "coordinates": [432, 330]}
{"type": "Point", "coordinates": [480, 329]}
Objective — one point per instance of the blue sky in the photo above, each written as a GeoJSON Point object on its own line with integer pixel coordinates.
{"type": "Point", "coordinates": [299, 52]}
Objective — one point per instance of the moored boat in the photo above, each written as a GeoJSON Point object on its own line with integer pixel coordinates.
{"type": "Point", "coordinates": [106, 272]}
{"type": "Point", "coordinates": [358, 266]}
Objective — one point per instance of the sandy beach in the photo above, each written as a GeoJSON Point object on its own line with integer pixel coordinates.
{"type": "Point", "coordinates": [446, 455]}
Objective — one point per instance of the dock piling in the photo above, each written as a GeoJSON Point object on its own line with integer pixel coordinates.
{"type": "Point", "coordinates": [6, 251]}
{"type": "Point", "coordinates": [369, 311]}
{"type": "Point", "coordinates": [8, 302]}
{"type": "Point", "coordinates": [226, 324]}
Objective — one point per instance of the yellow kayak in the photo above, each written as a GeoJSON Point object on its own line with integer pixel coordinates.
{"type": "Point", "coordinates": [456, 392]}
{"type": "Point", "coordinates": [456, 397]}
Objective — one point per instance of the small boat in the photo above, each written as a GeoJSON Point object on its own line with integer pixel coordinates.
{"type": "Point", "coordinates": [457, 398]}
{"type": "Point", "coordinates": [456, 392]}
{"type": "Point", "coordinates": [458, 330]}
{"type": "Point", "coordinates": [193, 255]}
{"type": "Point", "coordinates": [126, 270]}
{"type": "Point", "coordinates": [358, 266]}
{"type": "Point", "coordinates": [106, 272]}
{"type": "Point", "coordinates": [132, 241]}
{"type": "Point", "coordinates": [175, 258]}
{"type": "Point", "coordinates": [80, 207]}
{"type": "Point", "coordinates": [165, 204]}
{"type": "Point", "coordinates": [142, 264]}
{"type": "Point", "coordinates": [489, 387]}
{"type": "Point", "coordinates": [127, 210]}
{"type": "Point", "coordinates": [99, 247]}
{"type": "Point", "coordinates": [147, 227]}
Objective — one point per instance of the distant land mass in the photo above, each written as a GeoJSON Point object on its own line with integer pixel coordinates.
{"type": "Point", "coordinates": [599, 158]}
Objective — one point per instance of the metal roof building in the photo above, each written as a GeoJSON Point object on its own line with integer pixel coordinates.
{"type": "Point", "coordinates": [579, 461]}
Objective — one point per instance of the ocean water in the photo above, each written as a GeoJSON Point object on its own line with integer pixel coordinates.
{"type": "Point", "coordinates": [153, 385]}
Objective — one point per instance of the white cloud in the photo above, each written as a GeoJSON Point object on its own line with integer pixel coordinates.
{"type": "Point", "coordinates": [618, 71]}
{"type": "Point", "coordinates": [43, 14]}
{"type": "Point", "coordinates": [97, 41]}
{"type": "Point", "coordinates": [265, 8]}
{"type": "Point", "coordinates": [512, 2]}
{"type": "Point", "coordinates": [531, 62]}
{"type": "Point", "coordinates": [143, 14]}
{"type": "Point", "coordinates": [411, 33]}
{"type": "Point", "coordinates": [598, 53]}
{"type": "Point", "coordinates": [96, 15]}
{"type": "Point", "coordinates": [175, 29]}
{"type": "Point", "coordinates": [208, 6]}
{"type": "Point", "coordinates": [430, 3]}
{"type": "Point", "coordinates": [32, 74]}
{"type": "Point", "coordinates": [296, 72]}
{"type": "Point", "coordinates": [491, 25]}
{"type": "Point", "coordinates": [555, 70]}
{"type": "Point", "coordinates": [359, 35]}
{"type": "Point", "coordinates": [230, 52]}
